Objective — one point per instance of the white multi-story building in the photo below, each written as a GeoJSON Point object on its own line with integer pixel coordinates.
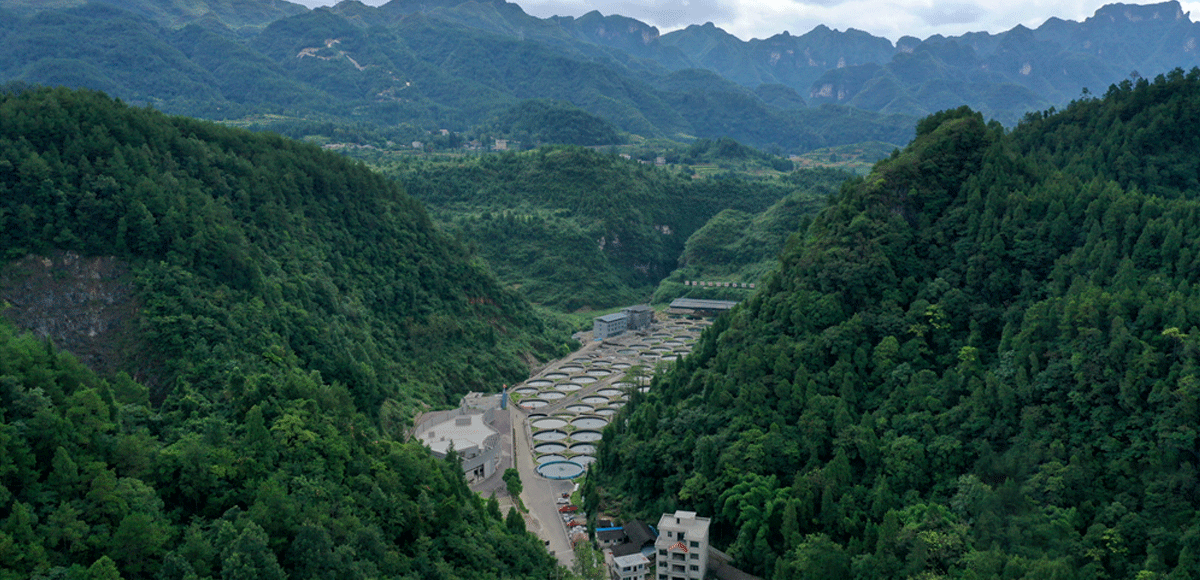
{"type": "Point", "coordinates": [630, 567]}
{"type": "Point", "coordinates": [682, 547]}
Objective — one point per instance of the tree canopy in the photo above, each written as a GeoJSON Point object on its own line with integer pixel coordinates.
{"type": "Point", "coordinates": [292, 310]}
{"type": "Point", "coordinates": [979, 361]}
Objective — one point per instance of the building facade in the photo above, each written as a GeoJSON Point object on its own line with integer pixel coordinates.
{"type": "Point", "coordinates": [640, 316]}
{"type": "Point", "coordinates": [631, 567]}
{"type": "Point", "coordinates": [682, 547]}
{"type": "Point", "coordinates": [631, 318]}
{"type": "Point", "coordinates": [609, 325]}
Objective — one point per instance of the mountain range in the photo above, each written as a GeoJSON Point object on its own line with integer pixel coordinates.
{"type": "Point", "coordinates": [353, 72]}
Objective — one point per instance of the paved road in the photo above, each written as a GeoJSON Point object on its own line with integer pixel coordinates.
{"type": "Point", "coordinates": [539, 495]}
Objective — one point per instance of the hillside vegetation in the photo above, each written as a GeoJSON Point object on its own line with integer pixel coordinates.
{"type": "Point", "coordinates": [980, 361]}
{"type": "Point", "coordinates": [742, 247]}
{"type": "Point", "coordinates": [292, 310]}
{"type": "Point", "coordinates": [572, 228]}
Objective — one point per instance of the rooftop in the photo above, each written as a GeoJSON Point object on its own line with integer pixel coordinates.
{"type": "Point", "coordinates": [698, 304]}
{"type": "Point", "coordinates": [612, 317]}
{"type": "Point", "coordinates": [696, 527]}
{"type": "Point", "coordinates": [638, 532]}
{"type": "Point", "coordinates": [464, 431]}
{"type": "Point", "coordinates": [630, 560]}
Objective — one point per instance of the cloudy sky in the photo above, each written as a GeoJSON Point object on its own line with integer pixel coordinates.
{"type": "Point", "coordinates": [892, 19]}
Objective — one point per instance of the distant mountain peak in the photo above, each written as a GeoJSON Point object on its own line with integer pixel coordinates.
{"type": "Point", "coordinates": [1165, 11]}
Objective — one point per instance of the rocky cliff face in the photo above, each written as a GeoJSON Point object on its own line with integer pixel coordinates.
{"type": "Point", "coordinates": [85, 305]}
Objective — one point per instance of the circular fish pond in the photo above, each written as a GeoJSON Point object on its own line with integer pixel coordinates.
{"type": "Point", "coordinates": [550, 435]}
{"type": "Point", "coordinates": [579, 408]}
{"type": "Point", "coordinates": [627, 352]}
{"type": "Point", "coordinates": [525, 391]}
{"type": "Point", "coordinates": [620, 365]}
{"type": "Point", "coordinates": [584, 460]}
{"type": "Point", "coordinates": [550, 457]}
{"type": "Point", "coordinates": [555, 376]}
{"type": "Point", "coordinates": [560, 469]}
{"type": "Point", "coordinates": [583, 449]}
{"type": "Point", "coordinates": [609, 392]}
{"type": "Point", "coordinates": [669, 357]}
{"type": "Point", "coordinates": [549, 423]}
{"type": "Point", "coordinates": [661, 334]}
{"type": "Point", "coordinates": [569, 387]}
{"type": "Point", "coordinates": [534, 403]}
{"type": "Point", "coordinates": [538, 383]}
{"type": "Point", "coordinates": [552, 395]}
{"type": "Point", "coordinates": [571, 369]}
{"type": "Point", "coordinates": [550, 447]}
{"type": "Point", "coordinates": [583, 379]}
{"type": "Point", "coordinates": [622, 385]}
{"type": "Point", "coordinates": [595, 400]}
{"type": "Point", "coordinates": [586, 436]}
{"type": "Point", "coordinates": [589, 422]}
{"type": "Point", "coordinates": [599, 372]}
{"type": "Point", "coordinates": [606, 411]}
{"type": "Point", "coordinates": [601, 362]}
{"type": "Point", "coordinates": [639, 345]}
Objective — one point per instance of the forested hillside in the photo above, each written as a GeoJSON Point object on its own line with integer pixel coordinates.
{"type": "Point", "coordinates": [572, 228]}
{"type": "Point", "coordinates": [980, 361]}
{"type": "Point", "coordinates": [742, 247]}
{"type": "Point", "coordinates": [290, 311]}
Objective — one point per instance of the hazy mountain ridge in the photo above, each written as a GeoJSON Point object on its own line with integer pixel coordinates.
{"type": "Point", "coordinates": [458, 65]}
{"type": "Point", "coordinates": [1051, 64]}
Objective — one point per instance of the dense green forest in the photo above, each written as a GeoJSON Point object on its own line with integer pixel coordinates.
{"type": "Point", "coordinates": [741, 247]}
{"type": "Point", "coordinates": [572, 228]}
{"type": "Point", "coordinates": [293, 309]}
{"type": "Point", "coordinates": [979, 361]}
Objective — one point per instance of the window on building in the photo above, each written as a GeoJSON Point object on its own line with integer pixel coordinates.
{"type": "Point", "coordinates": [694, 544]}
{"type": "Point", "coordinates": [694, 555]}
{"type": "Point", "coordinates": [662, 552]}
{"type": "Point", "coordinates": [695, 567]}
